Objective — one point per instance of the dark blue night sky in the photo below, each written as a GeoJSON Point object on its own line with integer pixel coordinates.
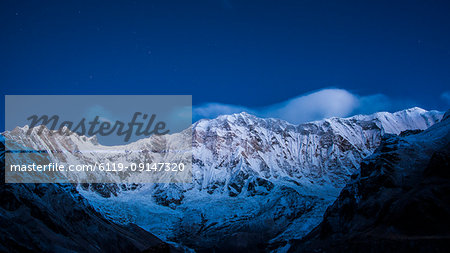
{"type": "Point", "coordinates": [247, 53]}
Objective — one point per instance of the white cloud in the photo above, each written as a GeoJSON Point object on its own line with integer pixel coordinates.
{"type": "Point", "coordinates": [316, 105]}
{"type": "Point", "coordinates": [97, 110]}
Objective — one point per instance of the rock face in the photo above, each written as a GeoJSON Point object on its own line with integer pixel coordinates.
{"type": "Point", "coordinates": [254, 180]}
{"type": "Point", "coordinates": [398, 202]}
{"type": "Point", "coordinates": [233, 148]}
{"type": "Point", "coordinates": [56, 218]}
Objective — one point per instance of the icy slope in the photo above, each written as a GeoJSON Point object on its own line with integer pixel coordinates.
{"type": "Point", "coordinates": [398, 202]}
{"type": "Point", "coordinates": [56, 218]}
{"type": "Point", "coordinates": [316, 154]}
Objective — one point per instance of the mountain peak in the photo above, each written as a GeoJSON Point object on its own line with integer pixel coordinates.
{"type": "Point", "coordinates": [414, 110]}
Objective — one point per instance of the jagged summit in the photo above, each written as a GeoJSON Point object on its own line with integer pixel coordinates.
{"type": "Point", "coordinates": [244, 118]}
{"type": "Point", "coordinates": [250, 118]}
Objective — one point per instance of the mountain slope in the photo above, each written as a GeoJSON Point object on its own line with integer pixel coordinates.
{"type": "Point", "coordinates": [324, 151]}
{"type": "Point", "coordinates": [398, 202]}
{"type": "Point", "coordinates": [254, 180]}
{"type": "Point", "coordinates": [56, 218]}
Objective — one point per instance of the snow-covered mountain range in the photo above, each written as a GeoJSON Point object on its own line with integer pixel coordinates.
{"type": "Point", "coordinates": [399, 201]}
{"type": "Point", "coordinates": [254, 180]}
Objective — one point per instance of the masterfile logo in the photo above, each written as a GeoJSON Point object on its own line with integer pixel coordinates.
{"type": "Point", "coordinates": [101, 128]}
{"type": "Point", "coordinates": [98, 139]}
